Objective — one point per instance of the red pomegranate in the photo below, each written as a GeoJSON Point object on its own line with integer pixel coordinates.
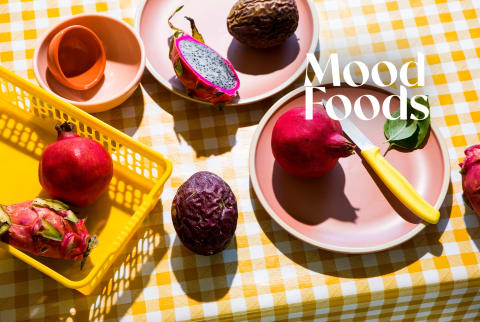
{"type": "Point", "coordinates": [74, 169]}
{"type": "Point", "coordinates": [309, 148]}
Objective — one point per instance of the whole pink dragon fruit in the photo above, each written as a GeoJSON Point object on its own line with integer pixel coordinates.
{"type": "Point", "coordinates": [204, 73]}
{"type": "Point", "coordinates": [47, 228]}
{"type": "Point", "coordinates": [471, 176]}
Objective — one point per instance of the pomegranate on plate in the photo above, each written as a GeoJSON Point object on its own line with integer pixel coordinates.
{"type": "Point", "coordinates": [309, 148]}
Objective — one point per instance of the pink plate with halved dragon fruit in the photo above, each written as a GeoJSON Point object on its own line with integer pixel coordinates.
{"type": "Point", "coordinates": [262, 72]}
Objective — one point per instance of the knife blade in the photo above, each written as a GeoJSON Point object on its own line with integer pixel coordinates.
{"type": "Point", "coordinates": [353, 131]}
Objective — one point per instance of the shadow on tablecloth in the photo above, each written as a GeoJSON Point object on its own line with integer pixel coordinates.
{"type": "Point", "coordinates": [355, 265]}
{"type": "Point", "coordinates": [208, 130]}
{"type": "Point", "coordinates": [128, 116]}
{"type": "Point", "coordinates": [472, 224]}
{"type": "Point", "coordinates": [129, 275]}
{"type": "Point", "coordinates": [204, 278]}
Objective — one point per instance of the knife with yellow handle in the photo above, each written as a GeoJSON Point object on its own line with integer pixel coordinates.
{"type": "Point", "coordinates": [391, 177]}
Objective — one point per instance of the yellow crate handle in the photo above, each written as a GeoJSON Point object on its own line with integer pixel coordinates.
{"type": "Point", "coordinates": [400, 187]}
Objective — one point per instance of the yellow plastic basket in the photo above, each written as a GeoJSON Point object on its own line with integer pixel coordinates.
{"type": "Point", "coordinates": [28, 115]}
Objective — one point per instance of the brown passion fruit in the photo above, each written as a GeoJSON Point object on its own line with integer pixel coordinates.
{"type": "Point", "coordinates": [263, 23]}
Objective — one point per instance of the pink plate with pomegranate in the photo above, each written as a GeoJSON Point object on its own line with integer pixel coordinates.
{"type": "Point", "coordinates": [262, 72]}
{"type": "Point", "coordinates": [348, 210]}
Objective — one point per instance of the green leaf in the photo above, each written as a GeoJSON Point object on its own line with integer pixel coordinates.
{"type": "Point", "coordinates": [55, 205]}
{"type": "Point", "coordinates": [70, 216]}
{"type": "Point", "coordinates": [5, 221]}
{"type": "Point", "coordinates": [407, 134]}
{"type": "Point", "coordinates": [396, 130]}
{"type": "Point", "coordinates": [50, 232]}
{"type": "Point", "coordinates": [195, 33]}
{"type": "Point", "coordinates": [407, 143]}
{"type": "Point", "coordinates": [178, 32]}
{"type": "Point", "coordinates": [178, 67]}
{"type": "Point", "coordinates": [170, 18]}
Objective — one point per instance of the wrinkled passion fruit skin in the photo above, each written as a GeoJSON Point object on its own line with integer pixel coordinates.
{"type": "Point", "coordinates": [263, 23]}
{"type": "Point", "coordinates": [204, 213]}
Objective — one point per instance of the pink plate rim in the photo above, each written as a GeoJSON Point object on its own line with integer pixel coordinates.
{"type": "Point", "coordinates": [164, 82]}
{"type": "Point", "coordinates": [348, 250]}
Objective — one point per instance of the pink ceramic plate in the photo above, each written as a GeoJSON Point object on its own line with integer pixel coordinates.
{"type": "Point", "coordinates": [348, 210]}
{"type": "Point", "coordinates": [262, 73]}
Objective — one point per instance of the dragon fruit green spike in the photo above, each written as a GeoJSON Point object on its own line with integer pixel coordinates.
{"type": "Point", "coordinates": [471, 177]}
{"type": "Point", "coordinates": [204, 73]}
{"type": "Point", "coordinates": [47, 228]}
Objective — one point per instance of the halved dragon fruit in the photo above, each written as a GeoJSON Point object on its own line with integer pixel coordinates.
{"type": "Point", "coordinates": [204, 73]}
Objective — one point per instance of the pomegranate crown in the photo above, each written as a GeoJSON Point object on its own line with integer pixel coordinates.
{"type": "Point", "coordinates": [65, 129]}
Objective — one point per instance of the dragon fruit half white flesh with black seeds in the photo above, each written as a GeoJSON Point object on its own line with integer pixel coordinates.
{"type": "Point", "coordinates": [204, 72]}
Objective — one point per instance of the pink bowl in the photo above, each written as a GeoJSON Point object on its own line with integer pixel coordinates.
{"type": "Point", "coordinates": [125, 63]}
{"type": "Point", "coordinates": [349, 209]}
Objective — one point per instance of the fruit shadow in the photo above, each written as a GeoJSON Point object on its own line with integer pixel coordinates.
{"type": "Point", "coordinates": [206, 129]}
{"type": "Point", "coordinates": [123, 283]}
{"type": "Point", "coordinates": [130, 274]}
{"type": "Point", "coordinates": [253, 61]}
{"type": "Point", "coordinates": [204, 278]}
{"type": "Point", "coordinates": [355, 265]}
{"type": "Point", "coordinates": [472, 224]}
{"type": "Point", "coordinates": [309, 200]}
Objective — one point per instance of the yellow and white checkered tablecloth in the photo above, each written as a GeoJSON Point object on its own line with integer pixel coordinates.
{"type": "Point", "coordinates": [266, 273]}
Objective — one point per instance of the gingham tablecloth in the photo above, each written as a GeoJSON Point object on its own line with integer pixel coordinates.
{"type": "Point", "coordinates": [265, 272]}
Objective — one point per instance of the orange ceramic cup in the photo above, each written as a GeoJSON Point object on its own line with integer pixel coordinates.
{"type": "Point", "coordinates": [76, 57]}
